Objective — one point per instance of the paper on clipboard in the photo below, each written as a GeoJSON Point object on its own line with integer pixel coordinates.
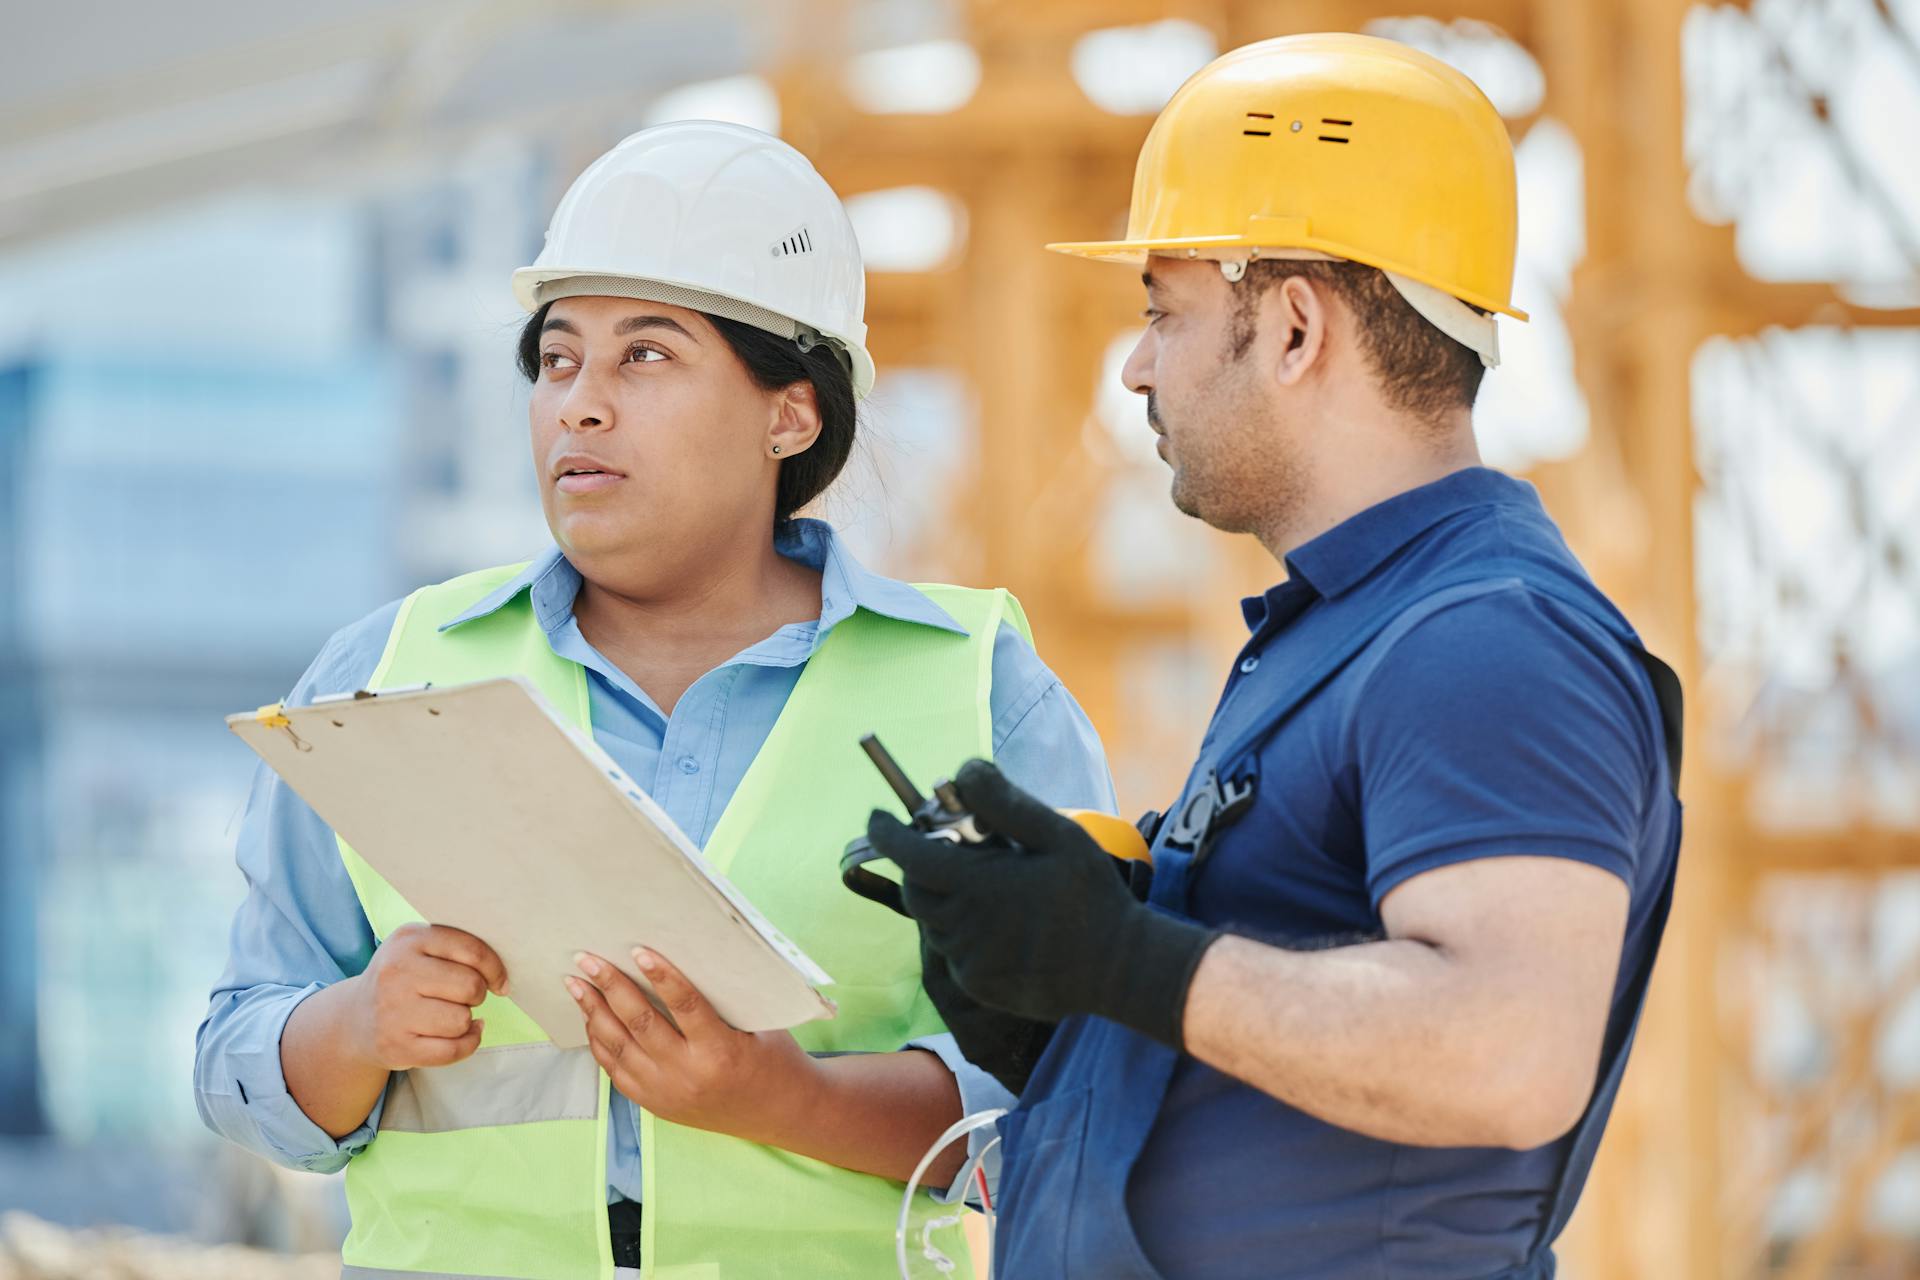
{"type": "Point", "coordinates": [490, 813]}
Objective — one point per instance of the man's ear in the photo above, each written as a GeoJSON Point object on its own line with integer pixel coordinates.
{"type": "Point", "coordinates": [1298, 313]}
{"type": "Point", "coordinates": [796, 420]}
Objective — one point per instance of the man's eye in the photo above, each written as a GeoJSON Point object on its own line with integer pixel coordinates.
{"type": "Point", "coordinates": [1150, 315]}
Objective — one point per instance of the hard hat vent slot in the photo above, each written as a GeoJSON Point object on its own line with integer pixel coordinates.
{"type": "Point", "coordinates": [1258, 133]}
{"type": "Point", "coordinates": [1340, 124]}
{"type": "Point", "coordinates": [800, 241]}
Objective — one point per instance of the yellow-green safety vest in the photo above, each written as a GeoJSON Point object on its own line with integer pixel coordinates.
{"type": "Point", "coordinates": [496, 1166]}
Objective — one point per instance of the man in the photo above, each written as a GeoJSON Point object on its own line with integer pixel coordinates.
{"type": "Point", "coordinates": [1371, 1017]}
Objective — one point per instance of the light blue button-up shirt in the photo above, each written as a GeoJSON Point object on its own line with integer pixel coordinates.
{"type": "Point", "coordinates": [301, 926]}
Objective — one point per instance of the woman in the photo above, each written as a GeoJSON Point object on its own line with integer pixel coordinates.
{"type": "Point", "coordinates": [696, 350]}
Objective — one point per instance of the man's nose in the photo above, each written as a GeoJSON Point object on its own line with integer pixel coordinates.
{"type": "Point", "coordinates": [1137, 373]}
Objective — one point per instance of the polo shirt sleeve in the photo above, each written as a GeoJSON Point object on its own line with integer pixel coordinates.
{"type": "Point", "coordinates": [1502, 725]}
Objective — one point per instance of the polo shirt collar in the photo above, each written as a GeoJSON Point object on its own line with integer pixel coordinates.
{"type": "Point", "coordinates": [1347, 554]}
{"type": "Point", "coordinates": [552, 582]}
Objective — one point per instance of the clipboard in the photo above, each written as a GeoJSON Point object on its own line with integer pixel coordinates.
{"type": "Point", "coordinates": [490, 813]}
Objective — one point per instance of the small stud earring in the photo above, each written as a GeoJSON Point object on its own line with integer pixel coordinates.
{"type": "Point", "coordinates": [776, 450]}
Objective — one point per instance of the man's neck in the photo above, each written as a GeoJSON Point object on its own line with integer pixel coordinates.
{"type": "Point", "coordinates": [1375, 465]}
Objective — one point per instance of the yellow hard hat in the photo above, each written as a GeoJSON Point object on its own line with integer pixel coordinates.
{"type": "Point", "coordinates": [1340, 146]}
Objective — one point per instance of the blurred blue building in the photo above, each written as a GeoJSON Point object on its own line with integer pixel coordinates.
{"type": "Point", "coordinates": [215, 452]}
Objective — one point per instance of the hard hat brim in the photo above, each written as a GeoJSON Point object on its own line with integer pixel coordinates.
{"type": "Point", "coordinates": [1136, 252]}
{"type": "Point", "coordinates": [527, 291]}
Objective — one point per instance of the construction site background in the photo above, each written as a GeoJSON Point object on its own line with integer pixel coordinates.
{"type": "Point", "coordinates": [256, 379]}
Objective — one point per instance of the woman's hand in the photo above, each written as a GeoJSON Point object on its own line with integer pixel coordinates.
{"type": "Point", "coordinates": [700, 1073]}
{"type": "Point", "coordinates": [418, 994]}
{"type": "Point", "coordinates": [412, 1007]}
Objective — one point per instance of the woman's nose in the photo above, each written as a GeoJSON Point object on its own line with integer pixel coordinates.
{"type": "Point", "coordinates": [587, 407]}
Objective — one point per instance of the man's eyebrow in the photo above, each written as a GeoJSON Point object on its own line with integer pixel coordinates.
{"type": "Point", "coordinates": [1146, 278]}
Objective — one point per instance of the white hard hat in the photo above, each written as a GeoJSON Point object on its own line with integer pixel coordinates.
{"type": "Point", "coordinates": [717, 218]}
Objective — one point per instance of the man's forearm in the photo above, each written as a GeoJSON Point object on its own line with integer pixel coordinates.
{"type": "Point", "coordinates": [334, 1087]}
{"type": "Point", "coordinates": [1393, 1039]}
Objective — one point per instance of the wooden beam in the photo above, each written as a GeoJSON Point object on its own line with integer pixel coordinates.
{"type": "Point", "coordinates": [1259, 19]}
{"type": "Point", "coordinates": [1855, 850]}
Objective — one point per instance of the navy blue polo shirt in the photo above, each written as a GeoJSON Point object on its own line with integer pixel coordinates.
{"type": "Point", "coordinates": [1506, 723]}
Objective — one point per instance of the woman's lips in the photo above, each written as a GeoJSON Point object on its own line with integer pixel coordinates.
{"type": "Point", "coordinates": [587, 482]}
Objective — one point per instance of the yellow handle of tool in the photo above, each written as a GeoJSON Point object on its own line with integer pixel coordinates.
{"type": "Point", "coordinates": [1116, 835]}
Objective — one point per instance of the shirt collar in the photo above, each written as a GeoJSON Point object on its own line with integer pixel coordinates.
{"type": "Point", "coordinates": [845, 585]}
{"type": "Point", "coordinates": [1347, 554]}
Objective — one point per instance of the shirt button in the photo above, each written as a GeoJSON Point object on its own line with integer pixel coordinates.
{"type": "Point", "coordinates": [1248, 664]}
{"type": "Point", "coordinates": [689, 765]}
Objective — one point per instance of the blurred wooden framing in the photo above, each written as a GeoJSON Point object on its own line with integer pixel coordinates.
{"type": "Point", "coordinates": [1031, 160]}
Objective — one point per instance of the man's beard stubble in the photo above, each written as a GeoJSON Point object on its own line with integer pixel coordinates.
{"type": "Point", "coordinates": [1233, 468]}
{"type": "Point", "coordinates": [1183, 500]}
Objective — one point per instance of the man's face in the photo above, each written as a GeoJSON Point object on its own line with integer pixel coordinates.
{"type": "Point", "coordinates": [1214, 413]}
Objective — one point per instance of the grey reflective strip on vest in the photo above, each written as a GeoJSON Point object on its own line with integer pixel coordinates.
{"type": "Point", "coordinates": [375, 1273]}
{"type": "Point", "coordinates": [507, 1084]}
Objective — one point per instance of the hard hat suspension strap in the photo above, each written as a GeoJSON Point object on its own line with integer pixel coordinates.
{"type": "Point", "coordinates": [1470, 327]}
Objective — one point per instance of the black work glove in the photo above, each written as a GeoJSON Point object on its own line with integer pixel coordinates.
{"type": "Point", "coordinates": [1034, 922]}
{"type": "Point", "coordinates": [1004, 1045]}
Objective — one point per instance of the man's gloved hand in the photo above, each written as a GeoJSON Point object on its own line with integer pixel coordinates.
{"type": "Point", "coordinates": [1004, 1045]}
{"type": "Point", "coordinates": [1034, 922]}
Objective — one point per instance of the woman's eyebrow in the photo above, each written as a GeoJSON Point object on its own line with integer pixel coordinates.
{"type": "Point", "coordinates": [634, 324]}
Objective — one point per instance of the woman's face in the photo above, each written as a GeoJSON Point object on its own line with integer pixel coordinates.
{"type": "Point", "coordinates": [651, 440]}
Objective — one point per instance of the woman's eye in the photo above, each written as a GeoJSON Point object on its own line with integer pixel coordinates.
{"type": "Point", "coordinates": [553, 360]}
{"type": "Point", "coordinates": [646, 355]}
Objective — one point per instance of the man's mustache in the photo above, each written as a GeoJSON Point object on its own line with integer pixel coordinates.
{"type": "Point", "coordinates": [1153, 412]}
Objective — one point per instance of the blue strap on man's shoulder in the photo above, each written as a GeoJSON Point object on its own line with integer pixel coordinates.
{"type": "Point", "coordinates": [1481, 578]}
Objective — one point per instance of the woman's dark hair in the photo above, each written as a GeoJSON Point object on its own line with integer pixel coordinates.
{"type": "Point", "coordinates": [772, 362]}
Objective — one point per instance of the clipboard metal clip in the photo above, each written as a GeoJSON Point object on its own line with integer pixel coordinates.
{"type": "Point", "coordinates": [274, 716]}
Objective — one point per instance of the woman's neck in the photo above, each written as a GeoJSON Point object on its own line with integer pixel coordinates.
{"type": "Point", "coordinates": [667, 631]}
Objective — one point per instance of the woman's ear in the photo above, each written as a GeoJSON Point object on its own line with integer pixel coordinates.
{"type": "Point", "coordinates": [796, 420]}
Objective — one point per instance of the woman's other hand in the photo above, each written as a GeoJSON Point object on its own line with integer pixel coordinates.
{"type": "Point", "coordinates": [694, 1069]}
